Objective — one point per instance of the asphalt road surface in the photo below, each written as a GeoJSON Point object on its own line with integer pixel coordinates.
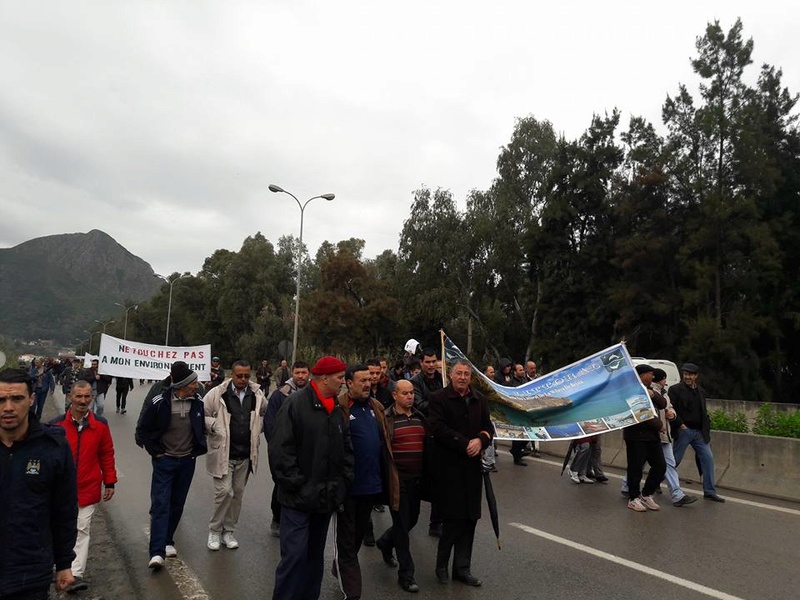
{"type": "Point", "coordinates": [559, 540]}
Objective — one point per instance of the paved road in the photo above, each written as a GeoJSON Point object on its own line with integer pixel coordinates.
{"type": "Point", "coordinates": [559, 540]}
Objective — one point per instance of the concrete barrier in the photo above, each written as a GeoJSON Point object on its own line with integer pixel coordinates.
{"type": "Point", "coordinates": [756, 464]}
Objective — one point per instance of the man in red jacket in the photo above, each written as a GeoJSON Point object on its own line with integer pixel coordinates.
{"type": "Point", "coordinates": [93, 452]}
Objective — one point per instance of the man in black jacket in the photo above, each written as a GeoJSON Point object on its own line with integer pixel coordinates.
{"type": "Point", "coordinates": [689, 401]}
{"type": "Point", "coordinates": [459, 421]}
{"type": "Point", "coordinates": [643, 445]}
{"type": "Point", "coordinates": [312, 463]}
{"type": "Point", "coordinates": [37, 489]}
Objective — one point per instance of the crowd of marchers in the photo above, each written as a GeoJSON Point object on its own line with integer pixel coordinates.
{"type": "Point", "coordinates": [343, 441]}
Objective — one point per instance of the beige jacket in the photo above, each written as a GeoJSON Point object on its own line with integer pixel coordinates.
{"type": "Point", "coordinates": [218, 428]}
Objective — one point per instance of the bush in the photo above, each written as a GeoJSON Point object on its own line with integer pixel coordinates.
{"type": "Point", "coordinates": [779, 423]}
{"type": "Point", "coordinates": [722, 421]}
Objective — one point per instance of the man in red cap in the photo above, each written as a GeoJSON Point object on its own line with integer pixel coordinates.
{"type": "Point", "coordinates": [312, 461]}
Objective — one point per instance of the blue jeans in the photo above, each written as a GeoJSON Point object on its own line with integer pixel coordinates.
{"type": "Point", "coordinates": [168, 490]}
{"type": "Point", "coordinates": [673, 482]}
{"type": "Point", "coordinates": [40, 397]}
{"type": "Point", "coordinates": [299, 573]}
{"type": "Point", "coordinates": [694, 438]}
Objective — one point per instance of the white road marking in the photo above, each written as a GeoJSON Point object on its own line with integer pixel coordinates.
{"type": "Point", "coordinates": [782, 509]}
{"type": "Point", "coordinates": [187, 582]}
{"type": "Point", "coordinates": [696, 587]}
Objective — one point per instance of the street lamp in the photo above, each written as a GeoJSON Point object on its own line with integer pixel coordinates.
{"type": "Point", "coordinates": [169, 305]}
{"type": "Point", "coordinates": [127, 308]}
{"type": "Point", "coordinates": [277, 189]}
{"type": "Point", "coordinates": [91, 337]}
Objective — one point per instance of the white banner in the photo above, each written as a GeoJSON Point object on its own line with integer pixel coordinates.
{"type": "Point", "coordinates": [124, 358]}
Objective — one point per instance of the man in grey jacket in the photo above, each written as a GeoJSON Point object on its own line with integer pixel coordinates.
{"type": "Point", "coordinates": [234, 413]}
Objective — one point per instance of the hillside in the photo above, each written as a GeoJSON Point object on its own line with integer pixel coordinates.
{"type": "Point", "coordinates": [54, 287]}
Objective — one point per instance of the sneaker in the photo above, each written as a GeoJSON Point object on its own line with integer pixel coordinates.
{"type": "Point", "coordinates": [584, 479]}
{"type": "Point", "coordinates": [386, 552]}
{"type": "Point", "coordinates": [574, 476]}
{"type": "Point", "coordinates": [77, 586]}
{"type": "Point", "coordinates": [171, 552]}
{"type": "Point", "coordinates": [275, 529]}
{"type": "Point", "coordinates": [684, 501]}
{"type": "Point", "coordinates": [649, 502]}
{"type": "Point", "coordinates": [156, 563]}
{"type": "Point", "coordinates": [213, 540]}
{"type": "Point", "coordinates": [123, 411]}
{"type": "Point", "coordinates": [229, 541]}
{"type": "Point", "coordinates": [636, 504]}
{"type": "Point", "coordinates": [601, 479]}
{"type": "Point", "coordinates": [379, 508]}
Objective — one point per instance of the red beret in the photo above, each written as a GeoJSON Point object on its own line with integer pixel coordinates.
{"type": "Point", "coordinates": [327, 365]}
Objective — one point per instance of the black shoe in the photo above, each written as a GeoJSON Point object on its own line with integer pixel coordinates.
{"type": "Point", "coordinates": [369, 539]}
{"type": "Point", "coordinates": [441, 575]}
{"type": "Point", "coordinates": [77, 586]}
{"type": "Point", "coordinates": [379, 508]}
{"type": "Point", "coordinates": [469, 579]}
{"type": "Point", "coordinates": [409, 585]}
{"type": "Point", "coordinates": [537, 454]}
{"type": "Point", "coordinates": [123, 411]}
{"type": "Point", "coordinates": [435, 530]}
{"type": "Point", "coordinates": [520, 463]}
{"type": "Point", "coordinates": [714, 498]}
{"type": "Point", "coordinates": [386, 552]}
{"type": "Point", "coordinates": [684, 501]}
{"type": "Point", "coordinates": [601, 479]}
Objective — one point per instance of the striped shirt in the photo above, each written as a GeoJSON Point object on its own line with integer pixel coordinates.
{"type": "Point", "coordinates": [407, 444]}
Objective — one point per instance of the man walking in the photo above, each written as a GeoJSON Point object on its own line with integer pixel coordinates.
{"type": "Point", "coordinates": [38, 496]}
{"type": "Point", "coordinates": [407, 430]}
{"type": "Point", "coordinates": [93, 452]}
{"type": "Point", "coordinates": [459, 420]}
{"type": "Point", "coordinates": [233, 416]}
{"type": "Point", "coordinates": [312, 463]}
{"type": "Point", "coordinates": [124, 385]}
{"type": "Point", "coordinates": [370, 448]}
{"type": "Point", "coordinates": [297, 381]}
{"type": "Point", "coordinates": [171, 429]}
{"type": "Point", "coordinates": [689, 401]}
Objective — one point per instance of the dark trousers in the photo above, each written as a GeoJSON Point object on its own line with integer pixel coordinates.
{"type": "Point", "coordinates": [638, 453]}
{"type": "Point", "coordinates": [39, 398]}
{"type": "Point", "coordinates": [517, 449]}
{"type": "Point", "coordinates": [169, 487]}
{"type": "Point", "coordinates": [351, 525]}
{"type": "Point", "coordinates": [403, 521]}
{"type": "Point", "coordinates": [122, 398]}
{"type": "Point", "coordinates": [39, 593]}
{"type": "Point", "coordinates": [299, 573]}
{"type": "Point", "coordinates": [457, 535]}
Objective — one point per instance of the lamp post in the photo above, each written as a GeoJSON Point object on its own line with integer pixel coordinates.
{"type": "Point", "coordinates": [91, 337]}
{"type": "Point", "coordinates": [127, 309]}
{"type": "Point", "coordinates": [169, 304]}
{"type": "Point", "coordinates": [104, 323]}
{"type": "Point", "coordinates": [277, 189]}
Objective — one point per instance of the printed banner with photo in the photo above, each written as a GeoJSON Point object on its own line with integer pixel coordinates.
{"type": "Point", "coordinates": [593, 395]}
{"type": "Point", "coordinates": [124, 358]}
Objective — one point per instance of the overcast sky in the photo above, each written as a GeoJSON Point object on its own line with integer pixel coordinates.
{"type": "Point", "coordinates": [162, 123]}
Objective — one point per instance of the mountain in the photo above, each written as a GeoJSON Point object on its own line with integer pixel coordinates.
{"type": "Point", "coordinates": [54, 287]}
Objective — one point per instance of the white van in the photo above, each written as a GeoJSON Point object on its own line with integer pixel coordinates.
{"type": "Point", "coordinates": [669, 367]}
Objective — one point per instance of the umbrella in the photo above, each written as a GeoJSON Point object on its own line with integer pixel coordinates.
{"type": "Point", "coordinates": [491, 502]}
{"type": "Point", "coordinates": [567, 457]}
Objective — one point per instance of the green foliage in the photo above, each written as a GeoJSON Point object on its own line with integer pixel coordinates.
{"type": "Point", "coordinates": [770, 421]}
{"type": "Point", "coordinates": [722, 421]}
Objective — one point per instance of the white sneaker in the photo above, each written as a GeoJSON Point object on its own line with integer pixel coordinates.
{"type": "Point", "coordinates": [156, 563]}
{"type": "Point", "coordinates": [171, 551]}
{"type": "Point", "coordinates": [649, 502]}
{"type": "Point", "coordinates": [585, 479]}
{"type": "Point", "coordinates": [636, 504]}
{"type": "Point", "coordinates": [213, 540]}
{"type": "Point", "coordinates": [573, 475]}
{"type": "Point", "coordinates": [229, 541]}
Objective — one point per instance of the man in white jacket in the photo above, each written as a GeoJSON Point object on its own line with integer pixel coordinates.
{"type": "Point", "coordinates": [234, 413]}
